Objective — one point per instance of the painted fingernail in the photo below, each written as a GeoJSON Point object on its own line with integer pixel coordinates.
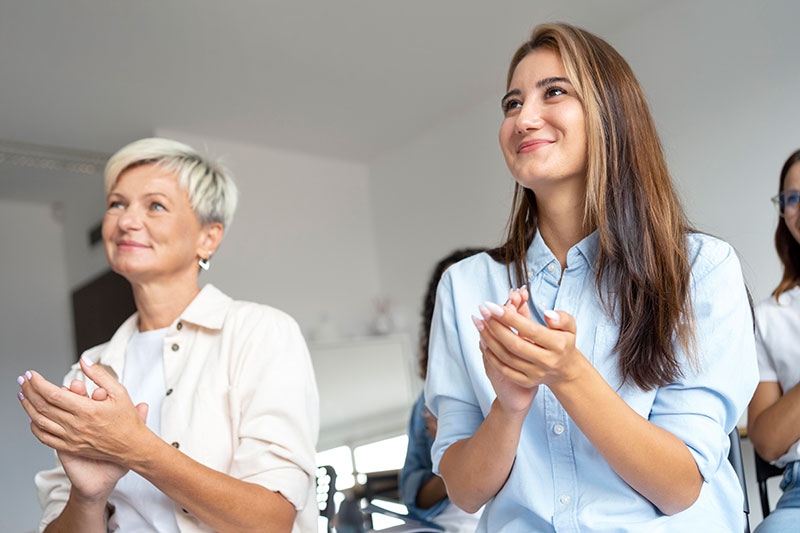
{"type": "Point", "coordinates": [29, 420]}
{"type": "Point", "coordinates": [482, 344]}
{"type": "Point", "coordinates": [495, 309]}
{"type": "Point", "coordinates": [478, 322]}
{"type": "Point", "coordinates": [523, 288]}
{"type": "Point", "coordinates": [20, 381]}
{"type": "Point", "coordinates": [87, 361]}
{"type": "Point", "coordinates": [484, 312]}
{"type": "Point", "coordinates": [20, 396]}
{"type": "Point", "coordinates": [28, 374]}
{"type": "Point", "coordinates": [552, 316]}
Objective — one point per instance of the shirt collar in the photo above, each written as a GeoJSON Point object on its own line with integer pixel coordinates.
{"type": "Point", "coordinates": [539, 255]}
{"type": "Point", "coordinates": [208, 309]}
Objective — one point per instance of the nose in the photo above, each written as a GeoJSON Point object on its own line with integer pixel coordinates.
{"type": "Point", "coordinates": [130, 219]}
{"type": "Point", "coordinates": [529, 117]}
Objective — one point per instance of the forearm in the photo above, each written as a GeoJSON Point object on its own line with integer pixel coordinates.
{"type": "Point", "coordinates": [80, 515]}
{"type": "Point", "coordinates": [431, 492]}
{"type": "Point", "coordinates": [653, 461]}
{"type": "Point", "coordinates": [777, 427]}
{"type": "Point", "coordinates": [475, 469]}
{"type": "Point", "coordinates": [220, 501]}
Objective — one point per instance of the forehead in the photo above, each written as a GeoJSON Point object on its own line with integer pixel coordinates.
{"type": "Point", "coordinates": [537, 65]}
{"type": "Point", "coordinates": [147, 178]}
{"type": "Point", "coordinates": [793, 177]}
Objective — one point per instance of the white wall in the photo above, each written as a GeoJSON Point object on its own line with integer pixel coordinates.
{"type": "Point", "coordinates": [723, 91]}
{"type": "Point", "coordinates": [303, 237]}
{"type": "Point", "coordinates": [35, 333]}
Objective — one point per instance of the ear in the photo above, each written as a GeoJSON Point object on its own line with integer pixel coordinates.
{"type": "Point", "coordinates": [210, 237]}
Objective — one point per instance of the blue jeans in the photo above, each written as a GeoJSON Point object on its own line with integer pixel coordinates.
{"type": "Point", "coordinates": [786, 516]}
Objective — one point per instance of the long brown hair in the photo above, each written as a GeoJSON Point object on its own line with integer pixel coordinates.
{"type": "Point", "coordinates": [785, 243]}
{"type": "Point", "coordinates": [642, 272]}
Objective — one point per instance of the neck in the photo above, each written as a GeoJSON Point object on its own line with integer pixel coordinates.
{"type": "Point", "coordinates": [161, 302]}
{"type": "Point", "coordinates": [560, 223]}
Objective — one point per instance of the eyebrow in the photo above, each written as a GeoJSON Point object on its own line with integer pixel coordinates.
{"type": "Point", "coordinates": [539, 84]}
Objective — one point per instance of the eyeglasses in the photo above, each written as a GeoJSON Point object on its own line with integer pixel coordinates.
{"type": "Point", "coordinates": [787, 203]}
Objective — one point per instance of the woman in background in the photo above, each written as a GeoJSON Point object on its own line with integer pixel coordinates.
{"type": "Point", "coordinates": [213, 422]}
{"type": "Point", "coordinates": [774, 413]}
{"type": "Point", "coordinates": [609, 405]}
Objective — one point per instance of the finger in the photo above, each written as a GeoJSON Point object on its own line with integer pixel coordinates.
{"type": "Point", "coordinates": [78, 387]}
{"type": "Point", "coordinates": [48, 439]}
{"type": "Point", "coordinates": [40, 420]}
{"type": "Point", "coordinates": [48, 399]}
{"type": "Point", "coordinates": [529, 329]}
{"type": "Point", "coordinates": [99, 394]}
{"type": "Point", "coordinates": [101, 377]}
{"type": "Point", "coordinates": [511, 373]}
{"type": "Point", "coordinates": [559, 320]}
{"type": "Point", "coordinates": [513, 351]}
{"type": "Point", "coordinates": [54, 401]}
{"type": "Point", "coordinates": [142, 409]}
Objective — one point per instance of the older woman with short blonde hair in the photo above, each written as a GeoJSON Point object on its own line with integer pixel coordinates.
{"type": "Point", "coordinates": [213, 422]}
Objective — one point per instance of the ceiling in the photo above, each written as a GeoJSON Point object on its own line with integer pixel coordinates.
{"type": "Point", "coordinates": [342, 78]}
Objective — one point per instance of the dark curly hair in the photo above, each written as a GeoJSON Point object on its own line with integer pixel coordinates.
{"type": "Point", "coordinates": [430, 301]}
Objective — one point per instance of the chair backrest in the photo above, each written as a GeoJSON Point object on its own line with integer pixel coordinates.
{"type": "Point", "coordinates": [735, 457]}
{"type": "Point", "coordinates": [764, 471]}
{"type": "Point", "coordinates": [326, 488]}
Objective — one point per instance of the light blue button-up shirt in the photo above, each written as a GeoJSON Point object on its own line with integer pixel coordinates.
{"type": "Point", "coordinates": [559, 482]}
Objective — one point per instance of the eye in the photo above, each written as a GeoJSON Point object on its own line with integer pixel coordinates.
{"type": "Point", "coordinates": [553, 91]}
{"type": "Point", "coordinates": [510, 105]}
{"type": "Point", "coordinates": [155, 206]}
{"type": "Point", "coordinates": [115, 204]}
{"type": "Point", "coordinates": [791, 198]}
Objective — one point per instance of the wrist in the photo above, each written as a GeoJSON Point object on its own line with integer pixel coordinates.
{"type": "Point", "coordinates": [576, 378]}
{"type": "Point", "coordinates": [89, 503]}
{"type": "Point", "coordinates": [510, 414]}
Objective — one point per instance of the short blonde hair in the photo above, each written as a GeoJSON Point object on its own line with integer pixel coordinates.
{"type": "Point", "coordinates": [212, 192]}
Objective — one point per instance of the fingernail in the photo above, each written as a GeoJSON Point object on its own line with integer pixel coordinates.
{"type": "Point", "coordinates": [478, 322]}
{"type": "Point", "coordinates": [552, 316]}
{"type": "Point", "coordinates": [20, 396]}
{"type": "Point", "coordinates": [495, 309]}
{"type": "Point", "coordinates": [483, 344]}
{"type": "Point", "coordinates": [28, 374]}
{"type": "Point", "coordinates": [29, 420]}
{"type": "Point", "coordinates": [20, 381]}
{"type": "Point", "coordinates": [523, 288]}
{"type": "Point", "coordinates": [484, 312]}
{"type": "Point", "coordinates": [87, 361]}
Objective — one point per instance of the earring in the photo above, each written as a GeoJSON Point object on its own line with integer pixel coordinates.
{"type": "Point", "coordinates": [205, 263]}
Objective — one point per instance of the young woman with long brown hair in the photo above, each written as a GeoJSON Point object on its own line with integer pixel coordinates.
{"type": "Point", "coordinates": [774, 413]}
{"type": "Point", "coordinates": [608, 405]}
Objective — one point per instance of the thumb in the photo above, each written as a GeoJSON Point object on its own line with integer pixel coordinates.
{"type": "Point", "coordinates": [560, 320]}
{"type": "Point", "coordinates": [142, 409]}
{"type": "Point", "coordinates": [100, 376]}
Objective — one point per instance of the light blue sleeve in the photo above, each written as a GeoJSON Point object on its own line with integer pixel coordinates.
{"type": "Point", "coordinates": [704, 405]}
{"type": "Point", "coordinates": [449, 391]}
{"type": "Point", "coordinates": [417, 469]}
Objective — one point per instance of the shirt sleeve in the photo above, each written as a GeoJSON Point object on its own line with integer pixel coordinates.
{"type": "Point", "coordinates": [703, 406]}
{"type": "Point", "coordinates": [274, 394]}
{"type": "Point", "coordinates": [766, 367]}
{"type": "Point", "coordinates": [417, 469]}
{"type": "Point", "coordinates": [448, 389]}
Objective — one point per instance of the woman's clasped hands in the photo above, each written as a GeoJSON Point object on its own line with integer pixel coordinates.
{"type": "Point", "coordinates": [520, 354]}
{"type": "Point", "coordinates": [96, 437]}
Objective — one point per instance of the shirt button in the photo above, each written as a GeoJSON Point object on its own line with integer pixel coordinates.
{"type": "Point", "coordinates": [175, 347]}
{"type": "Point", "coordinates": [565, 499]}
{"type": "Point", "coordinates": [558, 429]}
{"type": "Point", "coordinates": [530, 274]}
{"type": "Point", "coordinates": [179, 326]}
{"type": "Point", "coordinates": [176, 445]}
{"type": "Point", "coordinates": [169, 391]}
{"type": "Point", "coordinates": [543, 304]}
{"type": "Point", "coordinates": [551, 267]}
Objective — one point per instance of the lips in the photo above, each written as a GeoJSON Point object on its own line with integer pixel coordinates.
{"type": "Point", "coordinates": [130, 244]}
{"type": "Point", "coordinates": [533, 144]}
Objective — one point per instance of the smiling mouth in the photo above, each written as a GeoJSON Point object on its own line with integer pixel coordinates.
{"type": "Point", "coordinates": [130, 244]}
{"type": "Point", "coordinates": [530, 146]}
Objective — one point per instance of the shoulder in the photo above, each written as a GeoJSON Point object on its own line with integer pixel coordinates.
{"type": "Point", "coordinates": [772, 314]}
{"type": "Point", "coordinates": [250, 314]}
{"type": "Point", "coordinates": [480, 268]}
{"type": "Point", "coordinates": [707, 253]}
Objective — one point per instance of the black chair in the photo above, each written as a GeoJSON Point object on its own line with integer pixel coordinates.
{"type": "Point", "coordinates": [735, 457]}
{"type": "Point", "coordinates": [326, 488]}
{"type": "Point", "coordinates": [764, 471]}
